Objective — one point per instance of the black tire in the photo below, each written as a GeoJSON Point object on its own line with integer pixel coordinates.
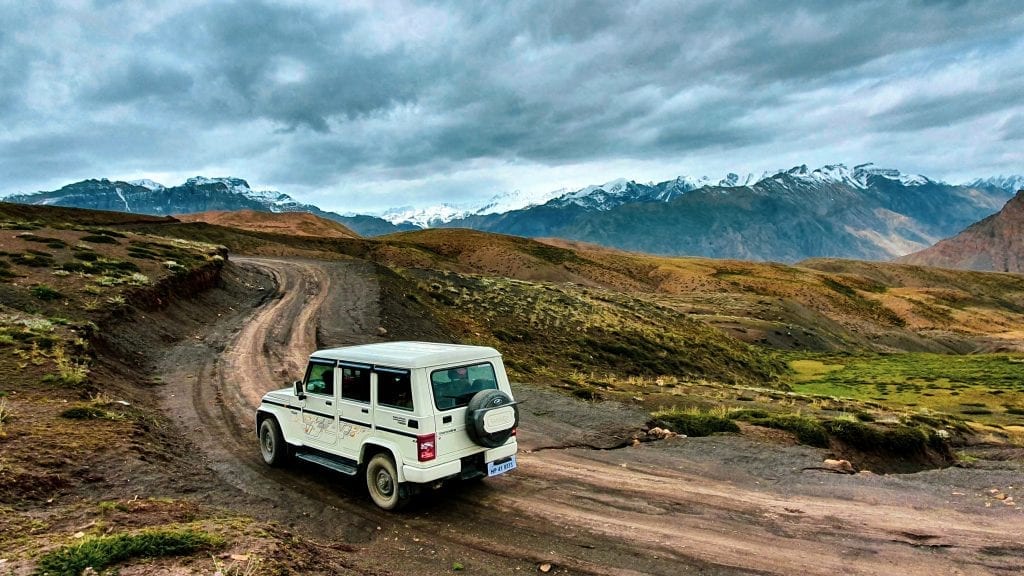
{"type": "Point", "coordinates": [478, 407]}
{"type": "Point", "coordinates": [272, 445]}
{"type": "Point", "coordinates": [382, 482]}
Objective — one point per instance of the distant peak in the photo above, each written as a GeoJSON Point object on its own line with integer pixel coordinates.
{"type": "Point", "coordinates": [147, 184]}
{"type": "Point", "coordinates": [227, 181]}
{"type": "Point", "coordinates": [1010, 183]}
{"type": "Point", "coordinates": [857, 177]}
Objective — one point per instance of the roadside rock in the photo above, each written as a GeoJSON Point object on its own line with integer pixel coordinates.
{"type": "Point", "coordinates": [842, 466]}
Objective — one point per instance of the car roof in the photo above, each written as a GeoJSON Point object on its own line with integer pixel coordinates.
{"type": "Point", "coordinates": [408, 354]}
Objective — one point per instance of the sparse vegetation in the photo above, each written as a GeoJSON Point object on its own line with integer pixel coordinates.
{"type": "Point", "coordinates": [88, 413]}
{"type": "Point", "coordinates": [695, 422]}
{"type": "Point", "coordinates": [71, 372]}
{"type": "Point", "coordinates": [103, 551]}
{"type": "Point", "coordinates": [99, 239]}
{"type": "Point", "coordinates": [5, 414]}
{"type": "Point", "coordinates": [44, 292]}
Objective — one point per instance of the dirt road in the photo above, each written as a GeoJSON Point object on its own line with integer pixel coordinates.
{"type": "Point", "coordinates": [721, 505]}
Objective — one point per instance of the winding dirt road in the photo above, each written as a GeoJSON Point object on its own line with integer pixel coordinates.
{"type": "Point", "coordinates": [722, 505]}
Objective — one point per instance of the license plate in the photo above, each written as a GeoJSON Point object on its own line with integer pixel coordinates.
{"type": "Point", "coordinates": [501, 466]}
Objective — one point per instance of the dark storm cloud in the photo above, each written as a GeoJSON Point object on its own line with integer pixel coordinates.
{"type": "Point", "coordinates": [1013, 128]}
{"type": "Point", "coordinates": [942, 110]}
{"type": "Point", "coordinates": [137, 80]}
{"type": "Point", "coordinates": [316, 94]}
{"type": "Point", "coordinates": [249, 50]}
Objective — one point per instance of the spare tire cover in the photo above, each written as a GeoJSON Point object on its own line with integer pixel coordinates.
{"type": "Point", "coordinates": [491, 416]}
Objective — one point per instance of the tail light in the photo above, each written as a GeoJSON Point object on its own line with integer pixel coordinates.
{"type": "Point", "coordinates": [514, 431]}
{"type": "Point", "coordinates": [426, 447]}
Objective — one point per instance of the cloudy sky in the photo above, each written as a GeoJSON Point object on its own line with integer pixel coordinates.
{"type": "Point", "coordinates": [361, 106]}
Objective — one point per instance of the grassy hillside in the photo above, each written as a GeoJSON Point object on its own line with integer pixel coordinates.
{"type": "Point", "coordinates": [61, 282]}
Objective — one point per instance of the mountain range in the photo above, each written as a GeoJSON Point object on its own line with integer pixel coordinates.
{"type": "Point", "coordinates": [198, 194]}
{"type": "Point", "coordinates": [864, 212]}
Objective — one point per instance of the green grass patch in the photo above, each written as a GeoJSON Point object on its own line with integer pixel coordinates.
{"type": "Point", "coordinates": [897, 440]}
{"type": "Point", "coordinates": [808, 430]}
{"type": "Point", "coordinates": [967, 384]}
{"type": "Point", "coordinates": [695, 423]}
{"type": "Point", "coordinates": [103, 551]}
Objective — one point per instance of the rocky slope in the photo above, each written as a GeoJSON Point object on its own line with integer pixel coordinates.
{"type": "Point", "coordinates": [995, 243]}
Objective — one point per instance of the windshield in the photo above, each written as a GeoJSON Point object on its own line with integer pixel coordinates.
{"type": "Point", "coordinates": [453, 387]}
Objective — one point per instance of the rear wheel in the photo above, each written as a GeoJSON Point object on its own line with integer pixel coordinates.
{"type": "Point", "coordinates": [272, 444]}
{"type": "Point", "coordinates": [382, 482]}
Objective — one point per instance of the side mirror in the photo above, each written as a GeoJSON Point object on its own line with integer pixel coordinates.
{"type": "Point", "coordinates": [299, 392]}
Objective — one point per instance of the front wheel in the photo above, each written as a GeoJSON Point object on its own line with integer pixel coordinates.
{"type": "Point", "coordinates": [382, 482]}
{"type": "Point", "coordinates": [272, 445]}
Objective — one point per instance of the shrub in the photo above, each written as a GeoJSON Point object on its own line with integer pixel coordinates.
{"type": "Point", "coordinates": [898, 440]}
{"type": "Point", "coordinates": [103, 551]}
{"type": "Point", "coordinates": [44, 292]}
{"type": "Point", "coordinates": [99, 239]}
{"type": "Point", "coordinates": [807, 430]}
{"type": "Point", "coordinates": [36, 260]}
{"type": "Point", "coordinates": [72, 372]}
{"type": "Point", "coordinates": [695, 423]}
{"type": "Point", "coordinates": [87, 413]}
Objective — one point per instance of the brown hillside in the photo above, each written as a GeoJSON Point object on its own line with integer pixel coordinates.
{"type": "Point", "coordinates": [826, 305]}
{"type": "Point", "coordinates": [993, 244]}
{"type": "Point", "coordinates": [818, 305]}
{"type": "Point", "coordinates": [287, 223]}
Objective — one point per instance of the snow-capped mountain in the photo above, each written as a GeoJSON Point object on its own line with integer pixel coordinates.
{"type": "Point", "coordinates": [437, 215]}
{"type": "Point", "coordinates": [858, 177]}
{"type": "Point", "coordinates": [197, 194]}
{"type": "Point", "coordinates": [428, 217]}
{"type": "Point", "coordinates": [148, 184]}
{"type": "Point", "coordinates": [1010, 184]}
{"type": "Point", "coordinates": [865, 212]}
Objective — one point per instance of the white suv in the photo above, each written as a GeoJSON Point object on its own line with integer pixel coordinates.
{"type": "Point", "coordinates": [405, 414]}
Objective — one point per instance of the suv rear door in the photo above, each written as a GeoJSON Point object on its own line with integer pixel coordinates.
{"type": "Point", "coordinates": [452, 388]}
{"type": "Point", "coordinates": [393, 406]}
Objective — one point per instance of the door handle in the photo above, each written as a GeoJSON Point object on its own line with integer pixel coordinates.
{"type": "Point", "coordinates": [365, 410]}
{"type": "Point", "coordinates": [328, 402]}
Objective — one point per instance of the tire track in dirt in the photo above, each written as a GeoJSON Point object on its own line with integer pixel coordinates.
{"type": "Point", "coordinates": [583, 511]}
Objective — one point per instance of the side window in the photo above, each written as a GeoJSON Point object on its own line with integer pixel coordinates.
{"type": "Point", "coordinates": [355, 383]}
{"type": "Point", "coordinates": [320, 379]}
{"type": "Point", "coordinates": [394, 389]}
{"type": "Point", "coordinates": [453, 387]}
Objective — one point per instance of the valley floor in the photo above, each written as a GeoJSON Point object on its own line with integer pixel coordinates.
{"type": "Point", "coordinates": [718, 505]}
{"type": "Point", "coordinates": [578, 504]}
